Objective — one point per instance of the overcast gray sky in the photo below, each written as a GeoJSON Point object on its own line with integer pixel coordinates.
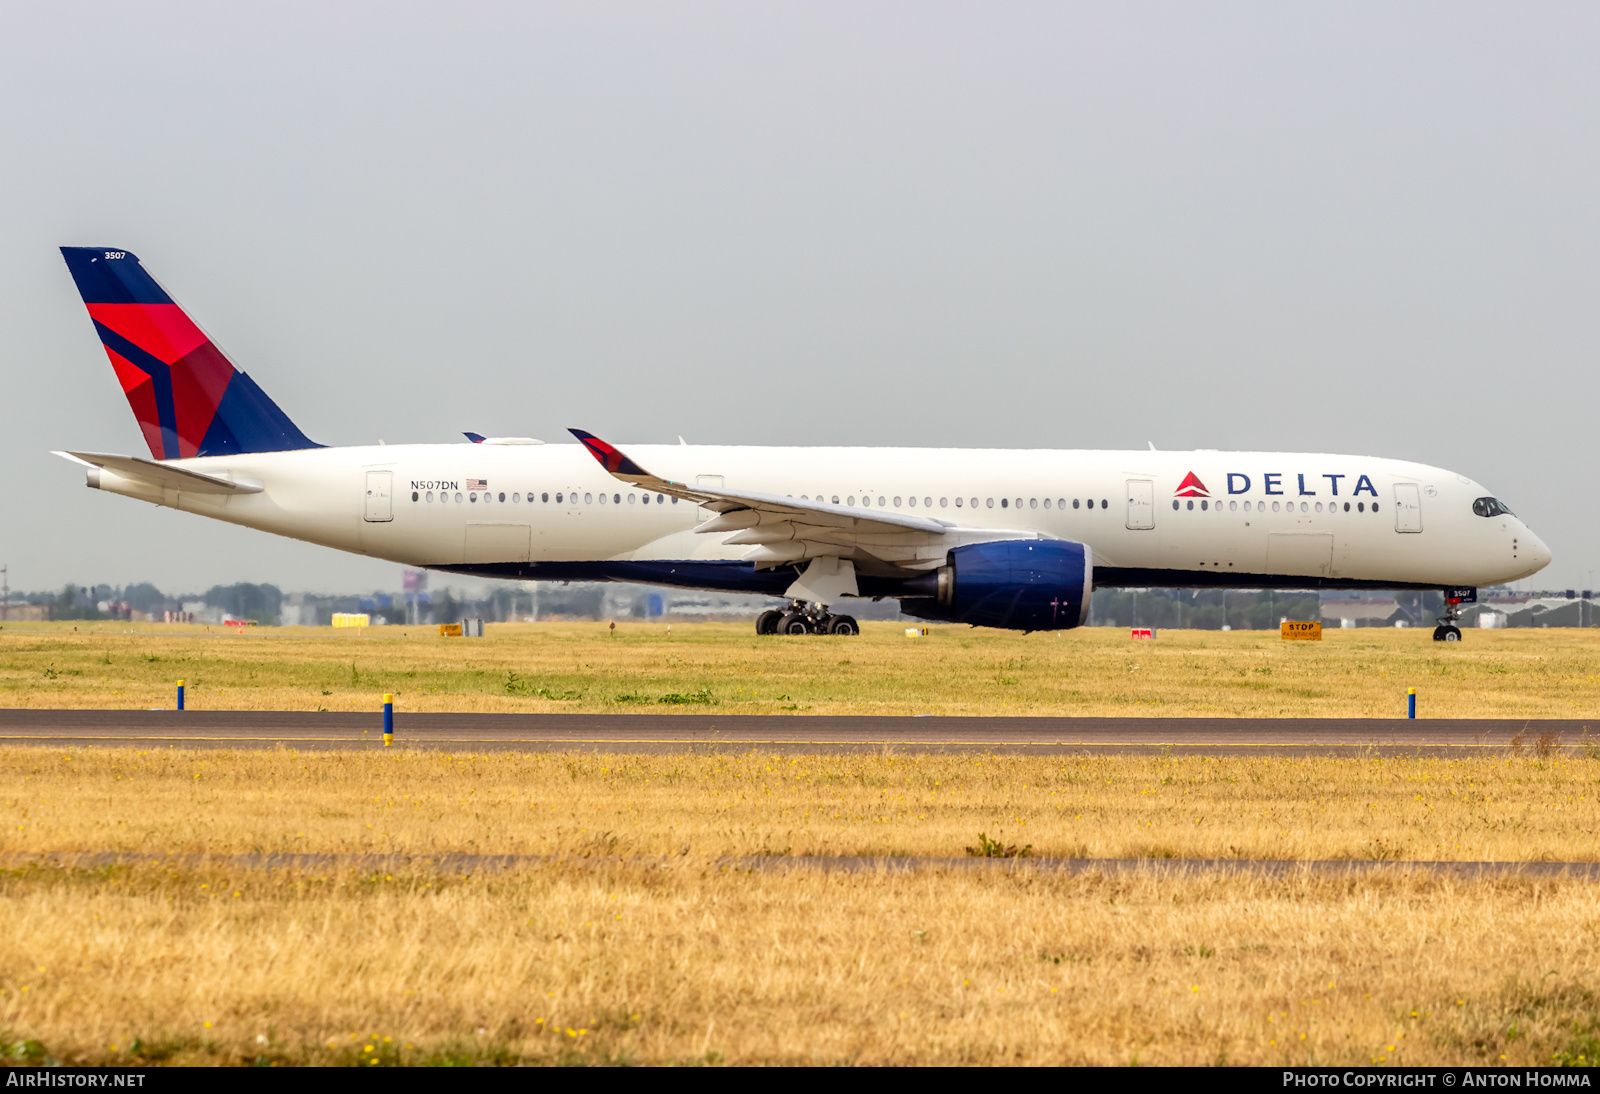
{"type": "Point", "coordinates": [1348, 227]}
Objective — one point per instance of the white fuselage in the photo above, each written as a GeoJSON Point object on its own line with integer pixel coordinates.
{"type": "Point", "coordinates": [1257, 518]}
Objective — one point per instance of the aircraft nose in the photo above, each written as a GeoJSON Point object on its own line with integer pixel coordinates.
{"type": "Point", "coordinates": [1534, 552]}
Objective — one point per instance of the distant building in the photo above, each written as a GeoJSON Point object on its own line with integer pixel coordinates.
{"type": "Point", "coordinates": [1370, 612]}
{"type": "Point", "coordinates": [1535, 612]}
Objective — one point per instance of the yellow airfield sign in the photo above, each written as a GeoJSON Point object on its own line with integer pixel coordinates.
{"type": "Point", "coordinates": [1301, 632]}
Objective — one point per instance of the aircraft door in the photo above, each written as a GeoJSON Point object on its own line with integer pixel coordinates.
{"type": "Point", "coordinates": [1407, 507]}
{"type": "Point", "coordinates": [380, 497]}
{"type": "Point", "coordinates": [1141, 504]}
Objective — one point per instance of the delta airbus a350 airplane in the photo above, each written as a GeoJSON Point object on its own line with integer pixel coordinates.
{"type": "Point", "coordinates": [990, 537]}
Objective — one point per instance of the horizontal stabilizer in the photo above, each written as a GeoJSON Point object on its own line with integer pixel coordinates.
{"type": "Point", "coordinates": [163, 475]}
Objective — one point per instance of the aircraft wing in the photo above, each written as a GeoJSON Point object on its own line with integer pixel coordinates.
{"type": "Point", "coordinates": [782, 529]}
{"type": "Point", "coordinates": [164, 475]}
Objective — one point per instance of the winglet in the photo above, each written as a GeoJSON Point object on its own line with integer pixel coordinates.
{"type": "Point", "coordinates": [475, 438]}
{"type": "Point", "coordinates": [610, 458]}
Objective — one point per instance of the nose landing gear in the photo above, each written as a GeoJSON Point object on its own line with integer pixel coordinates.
{"type": "Point", "coordinates": [1447, 631]}
{"type": "Point", "coordinates": [805, 618]}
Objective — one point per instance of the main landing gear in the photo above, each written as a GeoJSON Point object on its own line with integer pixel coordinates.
{"type": "Point", "coordinates": [804, 618]}
{"type": "Point", "coordinates": [1447, 631]}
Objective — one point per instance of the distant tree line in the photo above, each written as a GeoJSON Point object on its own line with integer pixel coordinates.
{"type": "Point", "coordinates": [1204, 610]}
{"type": "Point", "coordinates": [1209, 609]}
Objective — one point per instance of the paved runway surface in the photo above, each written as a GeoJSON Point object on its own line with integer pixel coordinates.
{"type": "Point", "coordinates": [800, 734]}
{"type": "Point", "coordinates": [474, 864]}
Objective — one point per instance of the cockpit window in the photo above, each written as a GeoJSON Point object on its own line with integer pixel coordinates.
{"type": "Point", "coordinates": [1491, 507]}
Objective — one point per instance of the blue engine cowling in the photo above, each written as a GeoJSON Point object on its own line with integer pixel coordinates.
{"type": "Point", "coordinates": [1020, 584]}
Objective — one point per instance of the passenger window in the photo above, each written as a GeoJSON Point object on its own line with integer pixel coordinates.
{"type": "Point", "coordinates": [913, 502]}
{"type": "Point", "coordinates": [975, 503]}
{"type": "Point", "coordinates": [1204, 504]}
{"type": "Point", "coordinates": [632, 499]}
{"type": "Point", "coordinates": [958, 502]}
{"type": "Point", "coordinates": [928, 503]}
{"type": "Point", "coordinates": [414, 495]}
{"type": "Point", "coordinates": [1374, 507]}
{"type": "Point", "coordinates": [458, 497]}
{"type": "Point", "coordinates": [941, 503]}
{"type": "Point", "coordinates": [1191, 504]}
{"type": "Point", "coordinates": [836, 499]}
{"type": "Point", "coordinates": [1104, 504]}
{"type": "Point", "coordinates": [602, 499]}
{"type": "Point", "coordinates": [1274, 507]}
{"type": "Point", "coordinates": [851, 500]}
{"type": "Point", "coordinates": [1033, 503]}
{"type": "Point", "coordinates": [1319, 507]}
{"type": "Point", "coordinates": [515, 498]}
{"type": "Point", "coordinates": [1074, 503]}
{"type": "Point", "coordinates": [1002, 503]}
{"type": "Point", "coordinates": [472, 497]}
{"type": "Point", "coordinates": [588, 499]}
{"type": "Point", "coordinates": [558, 497]}
{"type": "Point", "coordinates": [882, 502]}
{"type": "Point", "coordinates": [1047, 503]}
{"type": "Point", "coordinates": [616, 499]}
{"type": "Point", "coordinates": [674, 500]}
{"type": "Point", "coordinates": [897, 503]}
{"type": "Point", "coordinates": [430, 495]}
{"type": "Point", "coordinates": [1175, 505]}
{"type": "Point", "coordinates": [1233, 506]}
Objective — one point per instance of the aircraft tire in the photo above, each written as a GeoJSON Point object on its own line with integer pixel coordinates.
{"type": "Point", "coordinates": [794, 623]}
{"type": "Point", "coordinates": [767, 622]}
{"type": "Point", "coordinates": [843, 624]}
{"type": "Point", "coordinates": [1447, 634]}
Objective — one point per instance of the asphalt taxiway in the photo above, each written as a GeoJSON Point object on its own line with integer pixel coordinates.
{"type": "Point", "coordinates": [655, 732]}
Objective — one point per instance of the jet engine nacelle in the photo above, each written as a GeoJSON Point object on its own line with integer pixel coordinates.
{"type": "Point", "coordinates": [1020, 584]}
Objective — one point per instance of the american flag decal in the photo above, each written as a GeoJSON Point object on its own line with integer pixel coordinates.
{"type": "Point", "coordinates": [477, 484]}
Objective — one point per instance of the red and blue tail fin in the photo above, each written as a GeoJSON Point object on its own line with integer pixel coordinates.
{"type": "Point", "coordinates": [188, 397]}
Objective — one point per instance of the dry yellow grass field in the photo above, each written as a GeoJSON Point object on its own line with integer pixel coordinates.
{"type": "Point", "coordinates": [177, 801]}
{"type": "Point", "coordinates": [636, 946]}
{"type": "Point", "coordinates": [581, 667]}
{"type": "Point", "coordinates": [569, 963]}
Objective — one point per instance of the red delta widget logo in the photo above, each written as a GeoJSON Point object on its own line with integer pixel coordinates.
{"type": "Point", "coordinates": [1192, 487]}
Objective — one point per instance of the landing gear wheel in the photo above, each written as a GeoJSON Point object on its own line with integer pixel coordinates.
{"type": "Point", "coordinates": [843, 624]}
{"type": "Point", "coordinates": [794, 623]}
{"type": "Point", "coordinates": [1447, 631]}
{"type": "Point", "coordinates": [767, 622]}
